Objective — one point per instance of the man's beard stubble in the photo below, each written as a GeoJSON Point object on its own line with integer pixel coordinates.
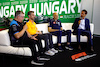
{"type": "Point", "coordinates": [32, 19]}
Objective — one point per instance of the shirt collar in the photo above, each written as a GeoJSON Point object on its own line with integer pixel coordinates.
{"type": "Point", "coordinates": [83, 19]}
{"type": "Point", "coordinates": [17, 21]}
{"type": "Point", "coordinates": [31, 21]}
{"type": "Point", "coordinates": [54, 20]}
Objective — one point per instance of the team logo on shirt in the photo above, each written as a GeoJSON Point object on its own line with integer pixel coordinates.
{"type": "Point", "coordinates": [54, 22]}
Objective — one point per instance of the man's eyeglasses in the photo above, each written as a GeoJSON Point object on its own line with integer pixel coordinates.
{"type": "Point", "coordinates": [21, 16]}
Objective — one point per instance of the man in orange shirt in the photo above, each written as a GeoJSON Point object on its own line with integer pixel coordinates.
{"type": "Point", "coordinates": [32, 31]}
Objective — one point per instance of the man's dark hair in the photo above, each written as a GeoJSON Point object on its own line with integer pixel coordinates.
{"type": "Point", "coordinates": [29, 13]}
{"type": "Point", "coordinates": [18, 13]}
{"type": "Point", "coordinates": [85, 11]}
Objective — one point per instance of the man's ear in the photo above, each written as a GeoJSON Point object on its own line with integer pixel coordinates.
{"type": "Point", "coordinates": [28, 15]}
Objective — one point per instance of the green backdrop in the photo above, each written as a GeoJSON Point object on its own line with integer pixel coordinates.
{"type": "Point", "coordinates": [68, 10]}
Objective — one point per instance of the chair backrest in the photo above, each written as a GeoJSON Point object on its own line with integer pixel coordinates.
{"type": "Point", "coordinates": [43, 27]}
{"type": "Point", "coordinates": [67, 26]}
{"type": "Point", "coordinates": [4, 38]}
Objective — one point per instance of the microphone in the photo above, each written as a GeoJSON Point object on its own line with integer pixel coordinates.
{"type": "Point", "coordinates": [80, 18]}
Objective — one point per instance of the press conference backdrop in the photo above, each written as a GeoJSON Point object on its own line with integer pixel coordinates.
{"type": "Point", "coordinates": [68, 10]}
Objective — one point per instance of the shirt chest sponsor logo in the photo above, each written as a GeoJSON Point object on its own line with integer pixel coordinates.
{"type": "Point", "coordinates": [56, 22]}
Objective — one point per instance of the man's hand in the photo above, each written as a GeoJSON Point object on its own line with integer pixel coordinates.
{"type": "Point", "coordinates": [33, 37]}
{"type": "Point", "coordinates": [25, 27]}
{"type": "Point", "coordinates": [79, 21]}
{"type": "Point", "coordinates": [20, 34]}
{"type": "Point", "coordinates": [52, 30]}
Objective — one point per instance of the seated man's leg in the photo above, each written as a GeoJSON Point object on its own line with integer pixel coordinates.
{"type": "Point", "coordinates": [78, 33]}
{"type": "Point", "coordinates": [35, 54]}
{"type": "Point", "coordinates": [28, 42]}
{"type": "Point", "coordinates": [68, 33]}
{"type": "Point", "coordinates": [51, 43]}
{"type": "Point", "coordinates": [31, 44]}
{"type": "Point", "coordinates": [45, 38]}
{"type": "Point", "coordinates": [90, 42]}
{"type": "Point", "coordinates": [40, 48]}
{"type": "Point", "coordinates": [58, 34]}
{"type": "Point", "coordinates": [68, 36]}
{"type": "Point", "coordinates": [50, 40]}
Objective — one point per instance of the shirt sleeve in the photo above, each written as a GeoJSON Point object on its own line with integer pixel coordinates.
{"type": "Point", "coordinates": [14, 28]}
{"type": "Point", "coordinates": [50, 24]}
{"type": "Point", "coordinates": [60, 24]}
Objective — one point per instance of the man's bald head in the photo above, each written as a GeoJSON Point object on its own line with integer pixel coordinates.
{"type": "Point", "coordinates": [55, 16]}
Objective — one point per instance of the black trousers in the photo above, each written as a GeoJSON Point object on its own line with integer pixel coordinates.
{"type": "Point", "coordinates": [79, 32]}
{"type": "Point", "coordinates": [62, 33]}
{"type": "Point", "coordinates": [27, 42]}
{"type": "Point", "coordinates": [47, 37]}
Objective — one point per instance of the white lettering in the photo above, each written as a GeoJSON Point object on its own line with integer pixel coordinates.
{"type": "Point", "coordinates": [6, 11]}
{"type": "Point", "coordinates": [48, 8]}
{"type": "Point", "coordinates": [71, 7]}
{"type": "Point", "coordinates": [79, 6]}
{"type": "Point", "coordinates": [24, 8]}
{"type": "Point", "coordinates": [63, 9]}
{"type": "Point", "coordinates": [1, 12]}
{"type": "Point", "coordinates": [56, 7]}
{"type": "Point", "coordinates": [12, 12]}
{"type": "Point", "coordinates": [38, 12]}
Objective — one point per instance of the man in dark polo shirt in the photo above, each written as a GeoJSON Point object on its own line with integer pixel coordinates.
{"type": "Point", "coordinates": [19, 37]}
{"type": "Point", "coordinates": [55, 28]}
